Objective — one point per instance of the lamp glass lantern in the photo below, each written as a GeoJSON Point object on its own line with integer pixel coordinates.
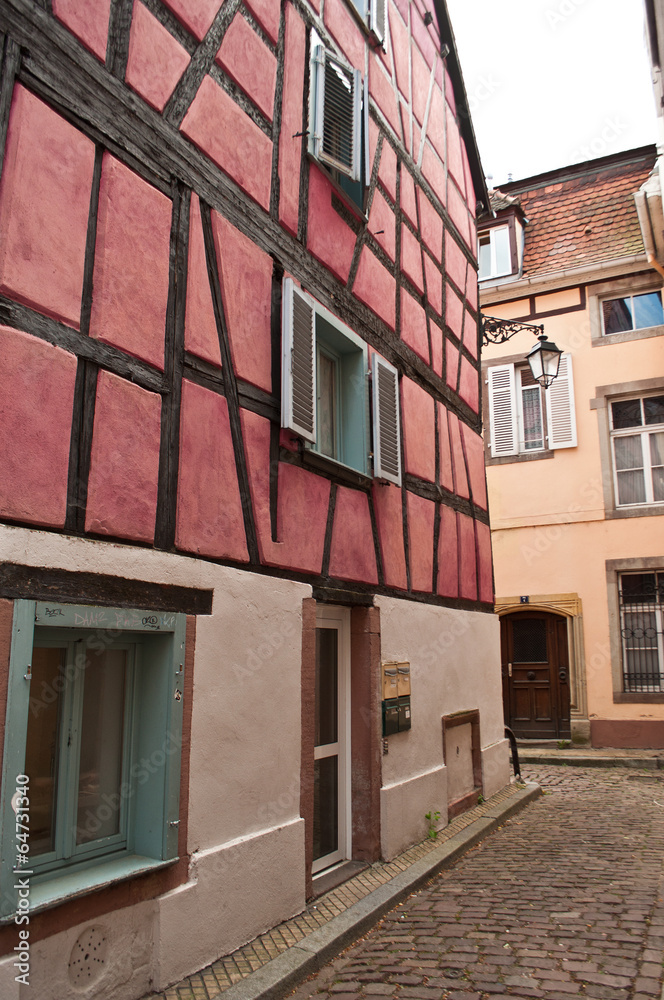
{"type": "Point", "coordinates": [544, 361]}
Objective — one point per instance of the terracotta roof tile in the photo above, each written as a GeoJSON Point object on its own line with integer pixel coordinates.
{"type": "Point", "coordinates": [584, 218]}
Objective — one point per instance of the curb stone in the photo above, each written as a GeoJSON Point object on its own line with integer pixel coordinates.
{"type": "Point", "coordinates": [282, 974]}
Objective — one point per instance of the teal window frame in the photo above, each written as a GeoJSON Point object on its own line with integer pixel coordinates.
{"type": "Point", "coordinates": [149, 793]}
{"type": "Point", "coordinates": [350, 429]}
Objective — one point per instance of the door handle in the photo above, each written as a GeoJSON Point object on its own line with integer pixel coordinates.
{"type": "Point", "coordinates": [509, 669]}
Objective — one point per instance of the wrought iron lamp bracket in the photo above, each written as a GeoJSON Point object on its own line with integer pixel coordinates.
{"type": "Point", "coordinates": [498, 331]}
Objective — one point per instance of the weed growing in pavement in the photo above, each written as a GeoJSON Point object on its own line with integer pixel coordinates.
{"type": "Point", "coordinates": [432, 819]}
{"type": "Point", "coordinates": [480, 799]}
{"type": "Point", "coordinates": [563, 744]}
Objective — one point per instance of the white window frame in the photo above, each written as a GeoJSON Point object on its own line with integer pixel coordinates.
{"type": "Point", "coordinates": [493, 235]}
{"type": "Point", "coordinates": [306, 325]}
{"type": "Point", "coordinates": [655, 641]}
{"type": "Point", "coordinates": [506, 423]}
{"type": "Point", "coordinates": [149, 796]}
{"type": "Point", "coordinates": [643, 431]}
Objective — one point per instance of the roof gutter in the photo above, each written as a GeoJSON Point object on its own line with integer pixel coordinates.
{"type": "Point", "coordinates": [467, 130]}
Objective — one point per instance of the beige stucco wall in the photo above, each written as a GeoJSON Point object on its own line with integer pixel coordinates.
{"type": "Point", "coordinates": [549, 531]}
{"type": "Point", "coordinates": [455, 667]}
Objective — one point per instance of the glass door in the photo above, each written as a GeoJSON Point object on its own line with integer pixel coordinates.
{"type": "Point", "coordinates": [332, 821]}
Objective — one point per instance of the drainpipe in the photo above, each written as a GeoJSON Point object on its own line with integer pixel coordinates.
{"type": "Point", "coordinates": [655, 263]}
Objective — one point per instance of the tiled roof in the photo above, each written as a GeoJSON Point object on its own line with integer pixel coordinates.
{"type": "Point", "coordinates": [498, 200]}
{"type": "Point", "coordinates": [581, 216]}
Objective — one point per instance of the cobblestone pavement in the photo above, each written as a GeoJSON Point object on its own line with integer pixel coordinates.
{"type": "Point", "coordinates": [565, 900]}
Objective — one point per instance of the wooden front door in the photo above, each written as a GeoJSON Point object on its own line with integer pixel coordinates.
{"type": "Point", "coordinates": [535, 674]}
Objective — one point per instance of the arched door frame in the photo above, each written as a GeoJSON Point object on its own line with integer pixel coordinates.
{"type": "Point", "coordinates": [567, 606]}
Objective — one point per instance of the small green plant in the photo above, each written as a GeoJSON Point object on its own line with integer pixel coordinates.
{"type": "Point", "coordinates": [480, 799]}
{"type": "Point", "coordinates": [432, 819]}
{"type": "Point", "coordinates": [563, 744]}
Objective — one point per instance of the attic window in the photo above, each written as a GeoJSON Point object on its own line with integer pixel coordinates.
{"type": "Point", "coordinates": [494, 252]}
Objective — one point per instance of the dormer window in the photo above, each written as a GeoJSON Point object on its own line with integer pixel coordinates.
{"type": "Point", "coordinates": [494, 252]}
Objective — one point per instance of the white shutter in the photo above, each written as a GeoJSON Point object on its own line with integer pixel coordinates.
{"type": "Point", "coordinates": [378, 18]}
{"type": "Point", "coordinates": [502, 411]}
{"type": "Point", "coordinates": [298, 399]}
{"type": "Point", "coordinates": [560, 414]}
{"type": "Point", "coordinates": [337, 113]}
{"type": "Point", "coordinates": [386, 425]}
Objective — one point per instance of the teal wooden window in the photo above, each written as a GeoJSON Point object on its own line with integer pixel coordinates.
{"type": "Point", "coordinates": [325, 389]}
{"type": "Point", "coordinates": [94, 720]}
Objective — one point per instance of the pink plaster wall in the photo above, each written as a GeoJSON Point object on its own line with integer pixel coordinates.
{"type": "Point", "coordinates": [399, 33]}
{"type": "Point", "coordinates": [451, 364]}
{"type": "Point", "coordinates": [421, 75]}
{"type": "Point", "coordinates": [448, 554]}
{"type": "Point", "coordinates": [455, 262]}
{"type": "Point", "coordinates": [454, 158]}
{"type": "Point", "coordinates": [209, 510]}
{"type": "Point", "coordinates": [418, 415]}
{"type": "Point", "coordinates": [467, 557]}
{"type": "Point", "coordinates": [434, 171]}
{"type": "Point", "coordinates": [483, 538]}
{"type": "Point", "coordinates": [407, 196]}
{"type": "Point", "coordinates": [36, 400]}
{"type": "Point", "coordinates": [470, 333]}
{"type": "Point", "coordinates": [471, 288]}
{"type": "Point", "coordinates": [389, 520]}
{"type": "Point", "coordinates": [421, 36]}
{"type": "Point", "coordinates": [246, 288]}
{"type": "Point", "coordinates": [434, 282]}
{"type": "Point", "coordinates": [124, 468]}
{"type": "Point", "coordinates": [221, 129]}
{"type": "Point", "coordinates": [200, 328]}
{"type": "Point", "coordinates": [382, 224]}
{"type": "Point", "coordinates": [290, 145]}
{"type": "Point", "coordinates": [414, 325]}
{"type": "Point", "coordinates": [44, 208]}
{"type": "Point", "coordinates": [460, 476]}
{"type": "Point", "coordinates": [195, 15]}
{"type": "Point", "coordinates": [446, 469]}
{"type": "Point", "coordinates": [387, 170]}
{"type": "Point", "coordinates": [474, 447]}
{"type": "Point", "coordinates": [341, 24]}
{"type": "Point", "coordinates": [431, 225]}
{"type": "Point", "coordinates": [411, 258]}
{"type": "Point", "coordinates": [380, 88]}
{"type": "Point", "coordinates": [469, 385]}
{"type": "Point", "coordinates": [436, 349]}
{"type": "Point", "coordinates": [131, 264]}
{"type": "Point", "coordinates": [375, 286]}
{"type": "Point", "coordinates": [88, 20]}
{"type": "Point", "coordinates": [241, 51]}
{"type": "Point", "coordinates": [352, 554]}
{"type": "Point", "coordinates": [329, 238]}
{"type": "Point", "coordinates": [436, 125]}
{"type": "Point", "coordinates": [456, 206]}
{"type": "Point", "coordinates": [454, 312]}
{"type": "Point", "coordinates": [267, 14]}
{"type": "Point", "coordinates": [421, 515]}
{"type": "Point", "coordinates": [302, 499]}
{"type": "Point", "coordinates": [156, 60]}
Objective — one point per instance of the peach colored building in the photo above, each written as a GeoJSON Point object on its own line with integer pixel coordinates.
{"type": "Point", "coordinates": [244, 537]}
{"type": "Point", "coordinates": [576, 472]}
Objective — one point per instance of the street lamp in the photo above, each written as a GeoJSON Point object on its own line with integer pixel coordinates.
{"type": "Point", "coordinates": [544, 359]}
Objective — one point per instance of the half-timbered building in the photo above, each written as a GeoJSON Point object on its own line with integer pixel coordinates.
{"type": "Point", "coordinates": [246, 630]}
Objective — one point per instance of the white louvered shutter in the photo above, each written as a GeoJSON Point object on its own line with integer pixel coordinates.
{"type": "Point", "coordinates": [386, 425]}
{"type": "Point", "coordinates": [560, 413]}
{"type": "Point", "coordinates": [298, 389]}
{"type": "Point", "coordinates": [502, 411]}
{"type": "Point", "coordinates": [378, 18]}
{"type": "Point", "coordinates": [337, 118]}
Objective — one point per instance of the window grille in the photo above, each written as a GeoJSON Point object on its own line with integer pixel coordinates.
{"type": "Point", "coordinates": [641, 614]}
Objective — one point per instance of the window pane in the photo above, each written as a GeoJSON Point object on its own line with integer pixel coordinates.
{"type": "Point", "coordinates": [326, 434]}
{"type": "Point", "coordinates": [639, 632]}
{"type": "Point", "coordinates": [532, 419]}
{"type": "Point", "coordinates": [501, 238]}
{"type": "Point", "coordinates": [626, 413]}
{"type": "Point", "coordinates": [617, 315]}
{"type": "Point", "coordinates": [653, 408]}
{"type": "Point", "coordinates": [102, 732]}
{"type": "Point", "coordinates": [637, 588]}
{"type": "Point", "coordinates": [326, 799]}
{"type": "Point", "coordinates": [648, 310]}
{"type": "Point", "coordinates": [657, 464]}
{"type": "Point", "coordinates": [629, 454]}
{"type": "Point", "coordinates": [326, 686]}
{"type": "Point", "coordinates": [41, 755]}
{"type": "Point", "coordinates": [484, 255]}
{"type": "Point", "coordinates": [631, 488]}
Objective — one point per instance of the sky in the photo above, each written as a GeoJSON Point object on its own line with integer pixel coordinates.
{"type": "Point", "coordinates": [553, 82]}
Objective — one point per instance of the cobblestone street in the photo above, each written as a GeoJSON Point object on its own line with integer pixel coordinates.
{"type": "Point", "coordinates": [564, 900]}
